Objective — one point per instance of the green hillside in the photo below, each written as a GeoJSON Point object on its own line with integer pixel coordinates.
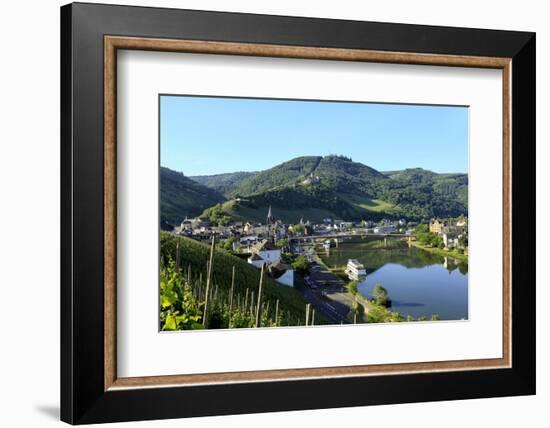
{"type": "Point", "coordinates": [195, 255]}
{"type": "Point", "coordinates": [317, 187]}
{"type": "Point", "coordinates": [251, 211]}
{"type": "Point", "coordinates": [421, 193]}
{"type": "Point", "coordinates": [285, 174]}
{"type": "Point", "coordinates": [223, 183]}
{"type": "Point", "coordinates": [342, 175]}
{"type": "Point", "coordinates": [336, 173]}
{"type": "Point", "coordinates": [373, 205]}
{"type": "Point", "coordinates": [181, 197]}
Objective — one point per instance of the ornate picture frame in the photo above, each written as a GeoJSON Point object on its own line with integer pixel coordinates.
{"type": "Point", "coordinates": [91, 389]}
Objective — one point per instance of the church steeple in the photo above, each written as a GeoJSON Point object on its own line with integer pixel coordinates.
{"type": "Point", "coordinates": [270, 218]}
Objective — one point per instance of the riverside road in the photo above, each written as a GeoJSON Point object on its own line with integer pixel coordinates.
{"type": "Point", "coordinates": [326, 293]}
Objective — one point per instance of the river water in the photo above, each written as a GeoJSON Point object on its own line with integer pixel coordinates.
{"type": "Point", "coordinates": [419, 283]}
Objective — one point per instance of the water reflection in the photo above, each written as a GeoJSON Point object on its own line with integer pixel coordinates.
{"type": "Point", "coordinates": [418, 282]}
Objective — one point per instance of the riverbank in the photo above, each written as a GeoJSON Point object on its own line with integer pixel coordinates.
{"type": "Point", "coordinates": [359, 298]}
{"type": "Point", "coordinates": [337, 291]}
{"type": "Point", "coordinates": [441, 252]}
{"type": "Point", "coordinates": [421, 283]}
{"type": "Point", "coordinates": [367, 310]}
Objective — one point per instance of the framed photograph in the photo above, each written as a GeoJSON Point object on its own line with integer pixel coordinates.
{"type": "Point", "coordinates": [266, 213]}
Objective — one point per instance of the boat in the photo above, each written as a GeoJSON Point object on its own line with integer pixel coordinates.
{"type": "Point", "coordinates": [355, 270]}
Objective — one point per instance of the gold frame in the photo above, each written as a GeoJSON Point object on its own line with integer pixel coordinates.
{"type": "Point", "coordinates": [113, 43]}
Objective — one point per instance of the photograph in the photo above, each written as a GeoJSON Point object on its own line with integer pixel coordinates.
{"type": "Point", "coordinates": [272, 210]}
{"type": "Point", "coordinates": [287, 212]}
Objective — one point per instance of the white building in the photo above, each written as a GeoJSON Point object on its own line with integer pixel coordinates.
{"type": "Point", "coordinates": [355, 270]}
{"type": "Point", "coordinates": [450, 240]}
{"type": "Point", "coordinates": [282, 273]}
{"type": "Point", "coordinates": [249, 239]}
{"type": "Point", "coordinates": [266, 250]}
{"type": "Point", "coordinates": [256, 260]}
{"type": "Point", "coordinates": [287, 278]}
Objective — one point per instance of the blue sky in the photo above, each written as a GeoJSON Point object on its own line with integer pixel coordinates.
{"type": "Point", "coordinates": [203, 135]}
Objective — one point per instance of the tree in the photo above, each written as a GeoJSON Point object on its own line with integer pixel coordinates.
{"type": "Point", "coordinates": [423, 234]}
{"type": "Point", "coordinates": [378, 314]}
{"type": "Point", "coordinates": [437, 241]}
{"type": "Point", "coordinates": [281, 243]}
{"type": "Point", "coordinates": [380, 295]}
{"type": "Point", "coordinates": [228, 243]}
{"type": "Point", "coordinates": [288, 258]}
{"type": "Point", "coordinates": [298, 229]}
{"type": "Point", "coordinates": [463, 241]}
{"type": "Point", "coordinates": [397, 317]}
{"type": "Point", "coordinates": [301, 265]}
{"type": "Point", "coordinates": [217, 215]}
{"type": "Point", "coordinates": [422, 228]}
{"type": "Point", "coordinates": [352, 287]}
{"type": "Point", "coordinates": [424, 237]}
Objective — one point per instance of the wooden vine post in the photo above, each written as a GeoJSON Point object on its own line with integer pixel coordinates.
{"type": "Point", "coordinates": [208, 283]}
{"type": "Point", "coordinates": [259, 304]}
{"type": "Point", "coordinates": [231, 292]}
{"type": "Point", "coordinates": [177, 256]}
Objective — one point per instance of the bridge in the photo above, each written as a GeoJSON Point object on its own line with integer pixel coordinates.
{"type": "Point", "coordinates": [313, 238]}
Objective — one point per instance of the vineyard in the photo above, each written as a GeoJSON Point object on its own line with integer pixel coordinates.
{"type": "Point", "coordinates": [206, 287]}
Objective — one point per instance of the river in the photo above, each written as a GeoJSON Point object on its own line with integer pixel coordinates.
{"type": "Point", "coordinates": [419, 283]}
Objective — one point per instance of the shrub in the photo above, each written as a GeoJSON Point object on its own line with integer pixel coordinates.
{"type": "Point", "coordinates": [380, 295]}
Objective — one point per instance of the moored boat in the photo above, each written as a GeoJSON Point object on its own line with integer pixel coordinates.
{"type": "Point", "coordinates": [355, 270]}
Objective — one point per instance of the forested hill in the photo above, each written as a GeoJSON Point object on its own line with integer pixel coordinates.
{"type": "Point", "coordinates": [316, 187]}
{"type": "Point", "coordinates": [182, 197]}
{"type": "Point", "coordinates": [223, 183]}
{"type": "Point", "coordinates": [451, 187]}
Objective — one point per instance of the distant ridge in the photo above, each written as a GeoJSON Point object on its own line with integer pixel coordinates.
{"type": "Point", "coordinates": [317, 187]}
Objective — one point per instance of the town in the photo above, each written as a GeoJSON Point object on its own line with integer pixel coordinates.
{"type": "Point", "coordinates": [280, 246]}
